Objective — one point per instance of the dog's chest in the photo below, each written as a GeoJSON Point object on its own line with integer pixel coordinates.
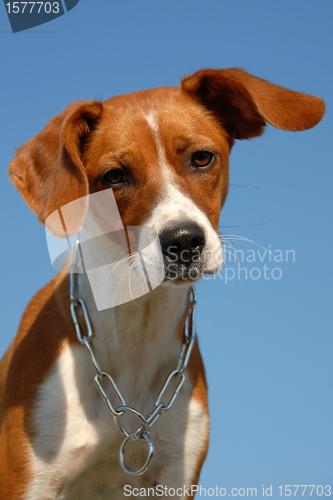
{"type": "Point", "coordinates": [75, 453]}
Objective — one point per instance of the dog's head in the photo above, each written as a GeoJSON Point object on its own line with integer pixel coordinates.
{"type": "Point", "coordinates": [164, 152]}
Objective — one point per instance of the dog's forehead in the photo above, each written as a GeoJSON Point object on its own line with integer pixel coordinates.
{"type": "Point", "coordinates": [169, 111]}
{"type": "Point", "coordinates": [145, 99]}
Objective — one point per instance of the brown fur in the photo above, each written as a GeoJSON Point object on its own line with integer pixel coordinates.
{"type": "Point", "coordinates": [66, 161]}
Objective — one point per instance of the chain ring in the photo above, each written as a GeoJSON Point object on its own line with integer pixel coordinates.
{"type": "Point", "coordinates": [132, 437]}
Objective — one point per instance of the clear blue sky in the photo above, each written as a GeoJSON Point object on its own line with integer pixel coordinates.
{"type": "Point", "coordinates": [267, 343]}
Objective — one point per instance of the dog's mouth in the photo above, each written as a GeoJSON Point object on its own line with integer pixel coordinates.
{"type": "Point", "coordinates": [186, 266]}
{"type": "Point", "coordinates": [180, 272]}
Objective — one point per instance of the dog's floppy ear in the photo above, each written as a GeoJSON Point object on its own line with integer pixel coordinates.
{"type": "Point", "coordinates": [243, 103]}
{"type": "Point", "coordinates": [48, 169]}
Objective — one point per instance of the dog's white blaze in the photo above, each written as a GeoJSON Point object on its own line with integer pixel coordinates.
{"type": "Point", "coordinates": [175, 207]}
{"type": "Point", "coordinates": [152, 120]}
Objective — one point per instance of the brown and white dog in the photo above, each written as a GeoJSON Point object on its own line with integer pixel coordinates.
{"type": "Point", "coordinates": [164, 152]}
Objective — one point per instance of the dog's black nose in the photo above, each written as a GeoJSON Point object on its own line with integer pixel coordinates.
{"type": "Point", "coordinates": [183, 243]}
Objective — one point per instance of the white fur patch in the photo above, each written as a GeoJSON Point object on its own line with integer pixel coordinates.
{"type": "Point", "coordinates": [175, 207]}
{"type": "Point", "coordinates": [198, 425]}
{"type": "Point", "coordinates": [152, 120]}
{"type": "Point", "coordinates": [75, 454]}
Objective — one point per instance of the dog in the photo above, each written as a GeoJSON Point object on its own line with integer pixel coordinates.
{"type": "Point", "coordinates": [163, 154]}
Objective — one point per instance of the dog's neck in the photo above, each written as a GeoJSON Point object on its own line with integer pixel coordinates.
{"type": "Point", "coordinates": [143, 332]}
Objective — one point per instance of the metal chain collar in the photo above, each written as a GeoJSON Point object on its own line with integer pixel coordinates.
{"type": "Point", "coordinates": [177, 376]}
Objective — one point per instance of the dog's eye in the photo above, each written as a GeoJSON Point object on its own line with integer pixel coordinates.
{"type": "Point", "coordinates": [114, 176]}
{"type": "Point", "coordinates": [202, 159]}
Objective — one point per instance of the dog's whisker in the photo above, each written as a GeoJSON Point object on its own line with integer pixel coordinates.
{"type": "Point", "coordinates": [244, 240]}
{"type": "Point", "coordinates": [125, 273]}
{"type": "Point", "coordinates": [225, 239]}
{"type": "Point", "coordinates": [244, 186]}
{"type": "Point", "coordinates": [225, 264]}
{"type": "Point", "coordinates": [232, 254]}
{"type": "Point", "coordinates": [111, 272]}
{"type": "Point", "coordinates": [247, 225]}
{"type": "Point", "coordinates": [131, 269]}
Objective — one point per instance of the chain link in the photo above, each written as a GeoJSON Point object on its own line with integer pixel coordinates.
{"type": "Point", "coordinates": [176, 377]}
